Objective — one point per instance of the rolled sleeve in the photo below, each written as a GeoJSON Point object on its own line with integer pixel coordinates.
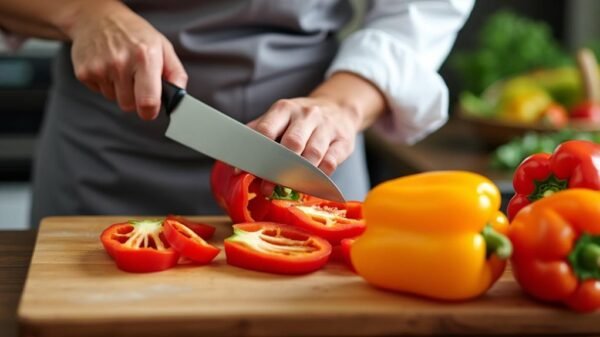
{"type": "Point", "coordinates": [399, 49]}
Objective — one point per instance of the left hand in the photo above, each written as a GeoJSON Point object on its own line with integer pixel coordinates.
{"type": "Point", "coordinates": [318, 128]}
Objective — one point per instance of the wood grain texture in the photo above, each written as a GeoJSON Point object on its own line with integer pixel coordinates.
{"type": "Point", "coordinates": [74, 289]}
{"type": "Point", "coordinates": [15, 252]}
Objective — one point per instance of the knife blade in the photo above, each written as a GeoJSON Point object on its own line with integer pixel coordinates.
{"type": "Point", "coordinates": [213, 133]}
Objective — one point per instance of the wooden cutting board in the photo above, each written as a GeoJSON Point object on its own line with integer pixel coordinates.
{"type": "Point", "coordinates": [74, 289]}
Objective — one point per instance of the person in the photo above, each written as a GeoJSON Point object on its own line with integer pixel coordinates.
{"type": "Point", "coordinates": [275, 65]}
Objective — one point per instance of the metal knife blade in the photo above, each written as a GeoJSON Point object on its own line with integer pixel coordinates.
{"type": "Point", "coordinates": [205, 129]}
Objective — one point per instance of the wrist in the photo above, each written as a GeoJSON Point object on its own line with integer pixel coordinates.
{"type": "Point", "coordinates": [354, 95]}
{"type": "Point", "coordinates": [78, 14]}
{"type": "Point", "coordinates": [349, 108]}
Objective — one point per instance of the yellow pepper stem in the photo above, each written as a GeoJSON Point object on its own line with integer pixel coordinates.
{"type": "Point", "coordinates": [496, 243]}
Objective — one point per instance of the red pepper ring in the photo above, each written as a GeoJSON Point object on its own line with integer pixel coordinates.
{"type": "Point", "coordinates": [139, 246]}
{"type": "Point", "coordinates": [187, 243]}
{"type": "Point", "coordinates": [275, 248]}
{"type": "Point", "coordinates": [574, 164]}
{"type": "Point", "coordinates": [203, 230]}
{"type": "Point", "coordinates": [330, 220]}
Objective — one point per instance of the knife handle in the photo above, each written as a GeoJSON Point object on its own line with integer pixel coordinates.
{"type": "Point", "coordinates": [171, 96]}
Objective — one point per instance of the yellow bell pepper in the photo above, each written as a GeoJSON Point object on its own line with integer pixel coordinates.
{"type": "Point", "coordinates": [436, 234]}
{"type": "Point", "coordinates": [523, 101]}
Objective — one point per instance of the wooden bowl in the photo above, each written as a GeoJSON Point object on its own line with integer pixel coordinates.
{"type": "Point", "coordinates": [494, 133]}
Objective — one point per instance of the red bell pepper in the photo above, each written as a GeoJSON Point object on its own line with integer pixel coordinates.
{"type": "Point", "coordinates": [573, 164]}
{"type": "Point", "coordinates": [238, 193]}
{"type": "Point", "coordinates": [556, 249]}
{"type": "Point", "coordinates": [187, 243]}
{"type": "Point", "coordinates": [587, 112]}
{"type": "Point", "coordinates": [341, 252]}
{"type": "Point", "coordinates": [330, 220]}
{"type": "Point", "coordinates": [275, 248]}
{"type": "Point", "coordinates": [139, 246]}
{"type": "Point", "coordinates": [203, 230]}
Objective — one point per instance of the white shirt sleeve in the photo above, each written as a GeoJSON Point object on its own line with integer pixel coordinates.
{"type": "Point", "coordinates": [399, 49]}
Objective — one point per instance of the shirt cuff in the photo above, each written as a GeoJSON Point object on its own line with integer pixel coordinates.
{"type": "Point", "coordinates": [416, 94]}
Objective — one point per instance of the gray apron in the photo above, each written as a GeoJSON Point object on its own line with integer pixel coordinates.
{"type": "Point", "coordinates": [241, 56]}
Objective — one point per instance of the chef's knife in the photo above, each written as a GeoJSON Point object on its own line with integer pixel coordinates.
{"type": "Point", "coordinates": [205, 129]}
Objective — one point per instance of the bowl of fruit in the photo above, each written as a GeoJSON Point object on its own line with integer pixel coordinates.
{"type": "Point", "coordinates": [543, 101]}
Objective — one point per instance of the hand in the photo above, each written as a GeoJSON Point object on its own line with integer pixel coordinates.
{"type": "Point", "coordinates": [119, 54]}
{"type": "Point", "coordinates": [318, 128]}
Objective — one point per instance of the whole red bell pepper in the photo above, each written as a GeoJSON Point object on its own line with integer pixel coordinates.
{"type": "Point", "coordinates": [573, 164]}
{"type": "Point", "coordinates": [238, 193]}
{"type": "Point", "coordinates": [556, 249]}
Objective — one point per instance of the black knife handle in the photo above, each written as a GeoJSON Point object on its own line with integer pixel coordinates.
{"type": "Point", "coordinates": [171, 96]}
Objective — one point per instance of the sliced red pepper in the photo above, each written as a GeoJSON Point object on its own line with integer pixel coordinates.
{"type": "Point", "coordinates": [139, 246]}
{"type": "Point", "coordinates": [203, 230]}
{"type": "Point", "coordinates": [187, 243]}
{"type": "Point", "coordinates": [341, 252]}
{"type": "Point", "coordinates": [330, 220]}
{"type": "Point", "coordinates": [238, 193]}
{"type": "Point", "coordinates": [275, 248]}
{"type": "Point", "coordinates": [574, 164]}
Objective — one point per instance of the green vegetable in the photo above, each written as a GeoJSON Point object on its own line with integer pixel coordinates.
{"type": "Point", "coordinates": [508, 45]}
{"type": "Point", "coordinates": [510, 155]}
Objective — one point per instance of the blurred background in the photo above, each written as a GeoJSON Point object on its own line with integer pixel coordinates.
{"type": "Point", "coordinates": [515, 85]}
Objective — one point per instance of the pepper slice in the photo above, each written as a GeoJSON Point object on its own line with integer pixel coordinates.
{"type": "Point", "coordinates": [557, 249]}
{"type": "Point", "coordinates": [203, 230]}
{"type": "Point", "coordinates": [187, 243]}
{"type": "Point", "coordinates": [330, 220]}
{"type": "Point", "coordinates": [574, 164]}
{"type": "Point", "coordinates": [139, 246]}
{"type": "Point", "coordinates": [275, 248]}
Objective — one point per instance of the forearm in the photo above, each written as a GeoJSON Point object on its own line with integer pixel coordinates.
{"type": "Point", "coordinates": [49, 19]}
{"type": "Point", "coordinates": [354, 94]}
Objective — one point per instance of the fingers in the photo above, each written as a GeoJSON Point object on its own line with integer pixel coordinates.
{"type": "Point", "coordinates": [338, 151]}
{"type": "Point", "coordinates": [147, 85]}
{"type": "Point", "coordinates": [124, 93]}
{"type": "Point", "coordinates": [317, 145]}
{"type": "Point", "coordinates": [173, 70]}
{"type": "Point", "coordinates": [275, 121]}
{"type": "Point", "coordinates": [107, 89]}
{"type": "Point", "coordinates": [318, 131]}
{"type": "Point", "coordinates": [126, 61]}
{"type": "Point", "coordinates": [302, 124]}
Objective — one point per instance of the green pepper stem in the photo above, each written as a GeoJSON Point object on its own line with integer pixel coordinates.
{"type": "Point", "coordinates": [590, 256]}
{"type": "Point", "coordinates": [585, 257]}
{"type": "Point", "coordinates": [496, 243]}
{"type": "Point", "coordinates": [285, 193]}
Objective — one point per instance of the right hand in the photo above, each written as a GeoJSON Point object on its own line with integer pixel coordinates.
{"type": "Point", "coordinates": [119, 54]}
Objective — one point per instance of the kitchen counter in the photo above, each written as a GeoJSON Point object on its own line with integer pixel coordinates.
{"type": "Point", "coordinates": [15, 252]}
{"type": "Point", "coordinates": [58, 297]}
